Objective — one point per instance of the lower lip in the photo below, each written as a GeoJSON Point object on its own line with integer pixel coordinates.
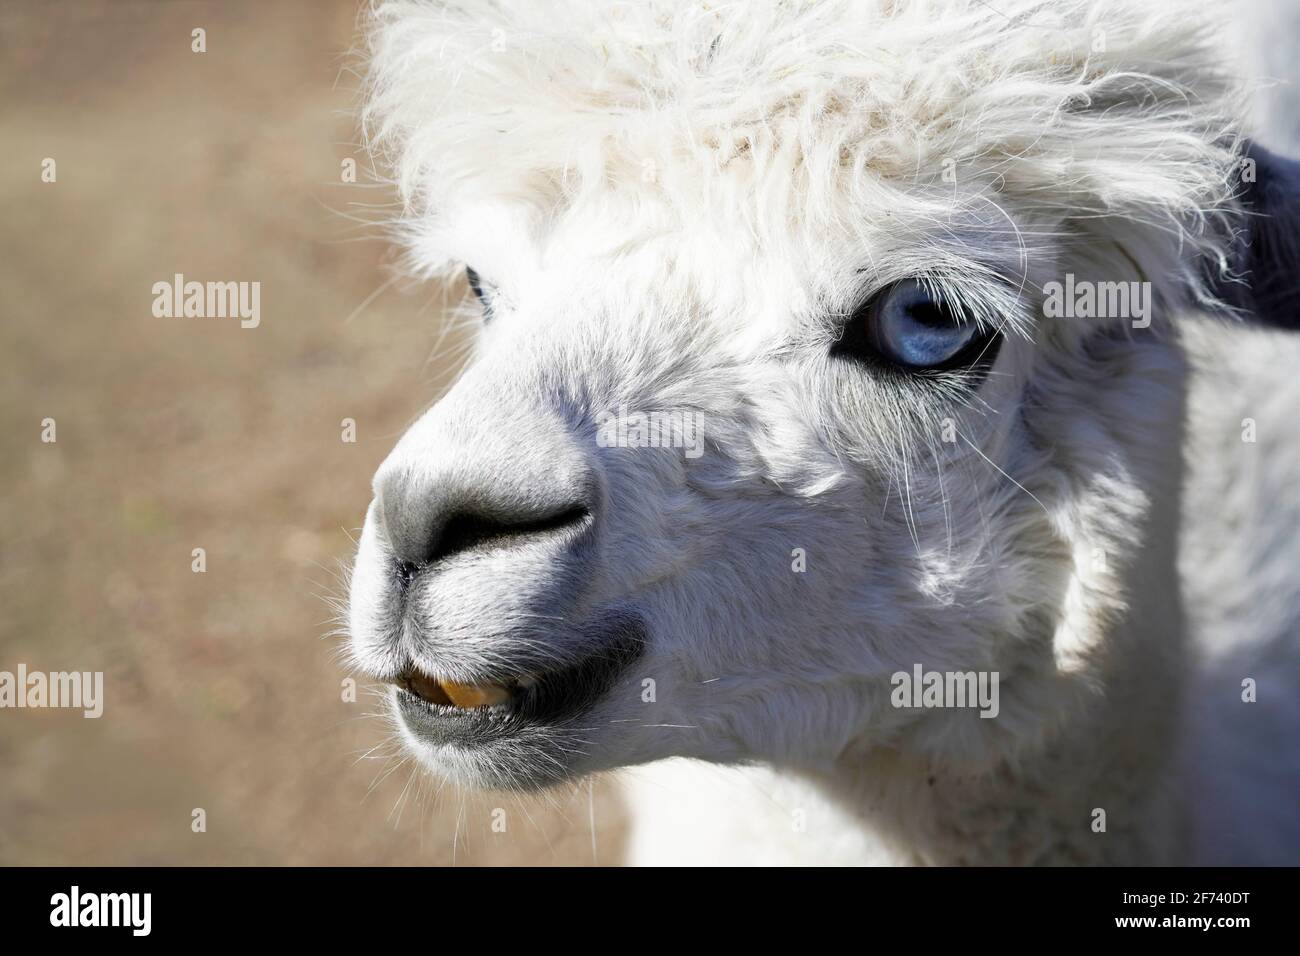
{"type": "Point", "coordinates": [441, 724]}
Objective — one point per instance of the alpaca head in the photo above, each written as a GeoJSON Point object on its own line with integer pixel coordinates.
{"type": "Point", "coordinates": [769, 401]}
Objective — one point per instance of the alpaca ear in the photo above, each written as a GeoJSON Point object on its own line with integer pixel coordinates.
{"type": "Point", "coordinates": [1265, 270]}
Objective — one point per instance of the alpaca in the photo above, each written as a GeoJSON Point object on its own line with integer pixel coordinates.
{"type": "Point", "coordinates": [971, 313]}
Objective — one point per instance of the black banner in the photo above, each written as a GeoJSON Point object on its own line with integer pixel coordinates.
{"type": "Point", "coordinates": [209, 905]}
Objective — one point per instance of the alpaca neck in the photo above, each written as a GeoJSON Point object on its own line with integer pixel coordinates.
{"type": "Point", "coordinates": [1045, 807]}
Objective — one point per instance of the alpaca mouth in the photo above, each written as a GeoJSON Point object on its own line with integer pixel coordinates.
{"type": "Point", "coordinates": [446, 711]}
{"type": "Point", "coordinates": [446, 693]}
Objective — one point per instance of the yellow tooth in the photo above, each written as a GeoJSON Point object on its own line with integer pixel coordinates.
{"type": "Point", "coordinates": [475, 695]}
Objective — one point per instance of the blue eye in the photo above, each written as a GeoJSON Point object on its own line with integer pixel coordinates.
{"type": "Point", "coordinates": [911, 326]}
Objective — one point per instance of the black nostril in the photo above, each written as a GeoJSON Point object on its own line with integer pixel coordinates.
{"type": "Point", "coordinates": [465, 531]}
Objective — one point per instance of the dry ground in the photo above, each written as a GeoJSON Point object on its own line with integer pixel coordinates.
{"type": "Point", "coordinates": [175, 434]}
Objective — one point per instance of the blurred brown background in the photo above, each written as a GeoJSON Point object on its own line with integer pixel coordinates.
{"type": "Point", "coordinates": [221, 689]}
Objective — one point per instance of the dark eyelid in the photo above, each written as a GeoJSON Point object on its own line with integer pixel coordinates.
{"type": "Point", "coordinates": [475, 281]}
{"type": "Point", "coordinates": [477, 286]}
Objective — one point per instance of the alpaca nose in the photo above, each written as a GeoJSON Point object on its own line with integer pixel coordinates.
{"type": "Point", "coordinates": [468, 501]}
{"type": "Point", "coordinates": [448, 530]}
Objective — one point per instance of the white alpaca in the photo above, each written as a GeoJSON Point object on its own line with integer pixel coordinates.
{"type": "Point", "coordinates": [834, 237]}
